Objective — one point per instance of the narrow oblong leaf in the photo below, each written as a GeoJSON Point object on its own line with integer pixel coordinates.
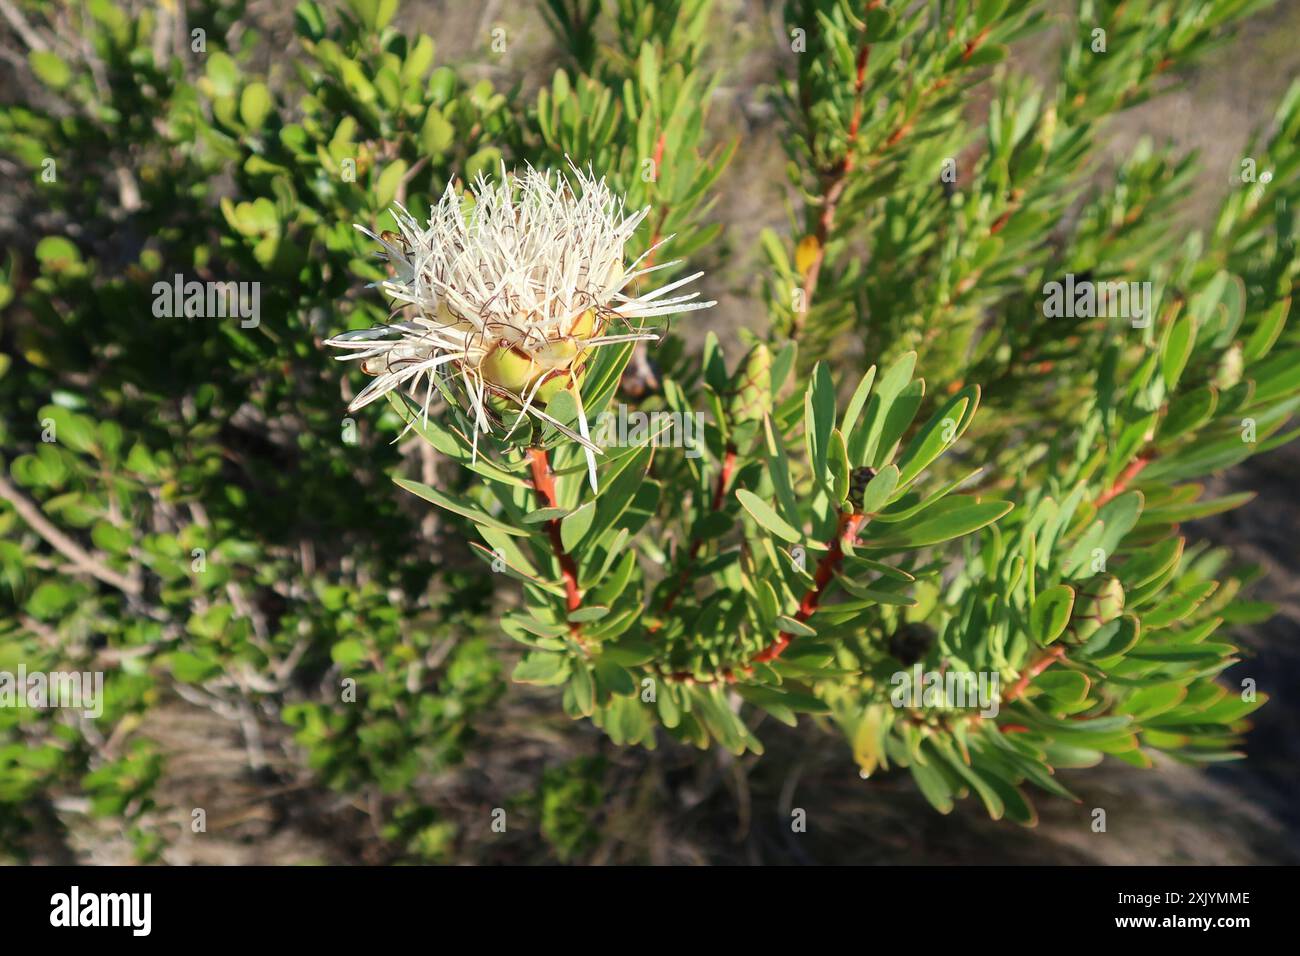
{"type": "Point", "coordinates": [767, 517]}
{"type": "Point", "coordinates": [865, 438]}
{"type": "Point", "coordinates": [819, 420]}
{"type": "Point", "coordinates": [476, 515]}
{"type": "Point", "coordinates": [961, 516]}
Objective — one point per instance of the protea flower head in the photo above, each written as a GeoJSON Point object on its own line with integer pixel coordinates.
{"type": "Point", "coordinates": [506, 294]}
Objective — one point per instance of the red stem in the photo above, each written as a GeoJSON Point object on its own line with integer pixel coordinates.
{"type": "Point", "coordinates": [544, 485]}
{"type": "Point", "coordinates": [657, 228]}
{"type": "Point", "coordinates": [1042, 663]}
{"type": "Point", "coordinates": [837, 182]}
{"type": "Point", "coordinates": [848, 528]}
{"type": "Point", "coordinates": [1122, 482]}
{"type": "Point", "coordinates": [973, 44]}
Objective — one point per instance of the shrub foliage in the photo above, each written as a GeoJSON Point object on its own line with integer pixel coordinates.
{"type": "Point", "coordinates": [188, 508]}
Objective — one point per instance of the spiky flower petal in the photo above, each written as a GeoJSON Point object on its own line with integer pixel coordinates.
{"type": "Point", "coordinates": [506, 293]}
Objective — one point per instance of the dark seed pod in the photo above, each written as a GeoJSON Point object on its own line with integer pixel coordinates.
{"type": "Point", "coordinates": [858, 486]}
{"type": "Point", "coordinates": [910, 643]}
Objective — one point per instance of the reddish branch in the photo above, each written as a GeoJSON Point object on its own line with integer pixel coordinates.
{"type": "Point", "coordinates": [835, 183]}
{"type": "Point", "coordinates": [1040, 664]}
{"type": "Point", "coordinates": [720, 490]}
{"type": "Point", "coordinates": [1125, 478]}
{"type": "Point", "coordinates": [973, 44]}
{"type": "Point", "coordinates": [941, 83]}
{"type": "Point", "coordinates": [662, 217]}
{"type": "Point", "coordinates": [848, 528]}
{"type": "Point", "coordinates": [544, 485]}
{"type": "Point", "coordinates": [82, 560]}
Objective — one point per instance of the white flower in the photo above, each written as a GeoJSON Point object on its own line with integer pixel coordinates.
{"type": "Point", "coordinates": [507, 293]}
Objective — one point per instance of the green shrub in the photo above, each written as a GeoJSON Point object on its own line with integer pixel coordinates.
{"type": "Point", "coordinates": [188, 508]}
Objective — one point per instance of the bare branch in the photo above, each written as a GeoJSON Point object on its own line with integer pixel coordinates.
{"type": "Point", "coordinates": [82, 559]}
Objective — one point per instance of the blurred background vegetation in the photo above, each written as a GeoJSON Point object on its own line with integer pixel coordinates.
{"type": "Point", "coordinates": [211, 530]}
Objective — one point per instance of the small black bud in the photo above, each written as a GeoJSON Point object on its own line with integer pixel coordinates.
{"type": "Point", "coordinates": [858, 485]}
{"type": "Point", "coordinates": [910, 643]}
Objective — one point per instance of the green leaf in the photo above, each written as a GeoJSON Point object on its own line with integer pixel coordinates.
{"type": "Point", "coordinates": [50, 68]}
{"type": "Point", "coordinates": [789, 625]}
{"type": "Point", "coordinates": [51, 600]}
{"type": "Point", "coordinates": [837, 460]}
{"type": "Point", "coordinates": [879, 489]}
{"type": "Point", "coordinates": [897, 420]}
{"type": "Point", "coordinates": [476, 515]}
{"type": "Point", "coordinates": [449, 443]}
{"type": "Point", "coordinates": [988, 796]}
{"type": "Point", "coordinates": [348, 652]}
{"type": "Point", "coordinates": [1069, 687]}
{"type": "Point", "coordinates": [778, 469]}
{"type": "Point", "coordinates": [1178, 348]}
{"type": "Point", "coordinates": [766, 517]}
{"type": "Point", "coordinates": [255, 105]}
{"type": "Point", "coordinates": [192, 669]}
{"type": "Point", "coordinates": [618, 493]}
{"type": "Point", "coordinates": [436, 134]}
{"type": "Point", "coordinates": [389, 181]}
{"type": "Point", "coordinates": [584, 689]}
{"type": "Point", "coordinates": [309, 21]}
{"type": "Point", "coordinates": [575, 525]}
{"type": "Point", "coordinates": [71, 430]}
{"type": "Point", "coordinates": [933, 786]}
{"type": "Point", "coordinates": [1266, 332]}
{"type": "Point", "coordinates": [819, 420]}
{"type": "Point", "coordinates": [542, 668]}
{"type": "Point", "coordinates": [222, 72]}
{"type": "Point", "coordinates": [940, 432]}
{"type": "Point", "coordinates": [1188, 412]}
{"type": "Point", "coordinates": [1179, 605]}
{"type": "Point", "coordinates": [111, 539]}
{"type": "Point", "coordinates": [1148, 702]}
{"type": "Point", "coordinates": [629, 653]}
{"type": "Point", "coordinates": [952, 517]}
{"type": "Point", "coordinates": [418, 59]}
{"type": "Point", "coordinates": [614, 678]}
{"type": "Point", "coordinates": [857, 402]}
{"type": "Point", "coordinates": [486, 161]}
{"type": "Point", "coordinates": [1051, 613]}
{"type": "Point", "coordinates": [57, 254]}
{"type": "Point", "coordinates": [865, 439]}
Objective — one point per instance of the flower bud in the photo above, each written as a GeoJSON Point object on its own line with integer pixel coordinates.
{"type": "Point", "coordinates": [509, 369]}
{"type": "Point", "coordinates": [516, 367]}
{"type": "Point", "coordinates": [751, 396]}
{"type": "Point", "coordinates": [1230, 367]}
{"type": "Point", "coordinates": [558, 382]}
{"type": "Point", "coordinates": [1099, 601]}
